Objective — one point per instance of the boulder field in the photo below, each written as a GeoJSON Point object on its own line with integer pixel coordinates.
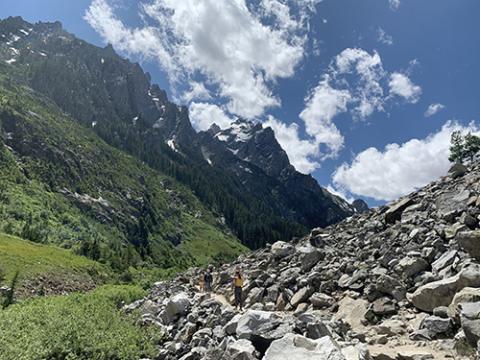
{"type": "Point", "coordinates": [400, 282]}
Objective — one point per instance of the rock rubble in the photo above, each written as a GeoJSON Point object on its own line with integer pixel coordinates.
{"type": "Point", "coordinates": [398, 282]}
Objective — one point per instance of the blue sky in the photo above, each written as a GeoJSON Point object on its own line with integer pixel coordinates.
{"type": "Point", "coordinates": [353, 75]}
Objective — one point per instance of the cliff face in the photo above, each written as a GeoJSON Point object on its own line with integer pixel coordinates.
{"type": "Point", "coordinates": [398, 282]}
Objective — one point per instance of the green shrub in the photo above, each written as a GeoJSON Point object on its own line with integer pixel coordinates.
{"type": "Point", "coordinates": [79, 326]}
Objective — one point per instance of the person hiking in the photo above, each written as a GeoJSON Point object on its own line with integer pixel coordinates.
{"type": "Point", "coordinates": [201, 282]}
{"type": "Point", "coordinates": [208, 278]}
{"type": "Point", "coordinates": [238, 289]}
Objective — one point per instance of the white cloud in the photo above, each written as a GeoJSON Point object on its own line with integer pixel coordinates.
{"type": "Point", "coordinates": [384, 38]}
{"type": "Point", "coordinates": [197, 91]}
{"type": "Point", "coordinates": [223, 40]}
{"type": "Point", "coordinates": [203, 115]}
{"type": "Point", "coordinates": [402, 86]}
{"type": "Point", "coordinates": [433, 109]}
{"type": "Point", "coordinates": [400, 168]}
{"type": "Point", "coordinates": [367, 89]}
{"type": "Point", "coordinates": [321, 107]}
{"type": "Point", "coordinates": [301, 153]}
{"type": "Point", "coordinates": [394, 4]}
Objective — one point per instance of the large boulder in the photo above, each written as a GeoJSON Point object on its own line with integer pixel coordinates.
{"type": "Point", "coordinates": [240, 350]}
{"type": "Point", "coordinates": [280, 249]}
{"type": "Point", "coordinates": [466, 295]}
{"type": "Point", "coordinates": [297, 347]}
{"type": "Point", "coordinates": [410, 266]}
{"type": "Point", "coordinates": [301, 295]}
{"type": "Point", "coordinates": [394, 213]}
{"type": "Point", "coordinates": [457, 170]}
{"type": "Point", "coordinates": [442, 292]}
{"type": "Point", "coordinates": [470, 242]}
{"type": "Point", "coordinates": [470, 320]}
{"type": "Point", "coordinates": [263, 327]}
{"type": "Point", "coordinates": [176, 306]}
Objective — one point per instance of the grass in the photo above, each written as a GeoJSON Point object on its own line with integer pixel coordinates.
{"type": "Point", "coordinates": [76, 327]}
{"type": "Point", "coordinates": [32, 260]}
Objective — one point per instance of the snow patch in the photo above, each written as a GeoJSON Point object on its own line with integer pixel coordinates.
{"type": "Point", "coordinates": [14, 51]}
{"type": "Point", "coordinates": [24, 31]}
{"type": "Point", "coordinates": [15, 38]}
{"type": "Point", "coordinates": [102, 60]}
{"type": "Point", "coordinates": [222, 137]}
{"type": "Point", "coordinates": [9, 135]}
{"type": "Point", "coordinates": [134, 120]}
{"type": "Point", "coordinates": [171, 144]}
{"type": "Point", "coordinates": [11, 61]}
{"type": "Point", "coordinates": [42, 54]}
{"type": "Point", "coordinates": [94, 123]}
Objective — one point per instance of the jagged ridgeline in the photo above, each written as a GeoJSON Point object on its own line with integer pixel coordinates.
{"type": "Point", "coordinates": [72, 111]}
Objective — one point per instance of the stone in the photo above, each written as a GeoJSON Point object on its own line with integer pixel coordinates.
{"type": "Point", "coordinates": [177, 305]}
{"type": "Point", "coordinates": [457, 170]}
{"type": "Point", "coordinates": [452, 201]}
{"type": "Point", "coordinates": [394, 213]}
{"type": "Point", "coordinates": [470, 321]}
{"type": "Point", "coordinates": [240, 350]}
{"type": "Point", "coordinates": [444, 260]}
{"type": "Point", "coordinates": [321, 301]}
{"type": "Point", "coordinates": [466, 295]}
{"type": "Point", "coordinates": [297, 347]}
{"type": "Point", "coordinates": [384, 306]}
{"type": "Point", "coordinates": [280, 249]}
{"type": "Point", "coordinates": [309, 256]}
{"type": "Point", "coordinates": [437, 325]}
{"type": "Point", "coordinates": [391, 286]}
{"type": "Point", "coordinates": [410, 266]}
{"type": "Point", "coordinates": [231, 327]}
{"type": "Point", "coordinates": [301, 295]}
{"type": "Point", "coordinates": [470, 242]}
{"type": "Point", "coordinates": [442, 292]}
{"type": "Point", "coordinates": [352, 311]}
{"type": "Point", "coordinates": [441, 311]}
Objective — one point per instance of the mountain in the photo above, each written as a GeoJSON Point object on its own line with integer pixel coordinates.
{"type": "Point", "coordinates": [251, 153]}
{"type": "Point", "coordinates": [117, 101]}
{"type": "Point", "coordinates": [61, 183]}
{"type": "Point", "coordinates": [401, 281]}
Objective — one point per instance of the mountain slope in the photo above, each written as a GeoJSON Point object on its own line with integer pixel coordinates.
{"type": "Point", "coordinates": [102, 91]}
{"type": "Point", "coordinates": [398, 282]}
{"type": "Point", "coordinates": [60, 183]}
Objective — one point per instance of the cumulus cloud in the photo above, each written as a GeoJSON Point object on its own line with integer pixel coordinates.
{"type": "Point", "coordinates": [301, 153]}
{"type": "Point", "coordinates": [401, 85]}
{"type": "Point", "coordinates": [322, 106]}
{"type": "Point", "coordinates": [368, 92]}
{"type": "Point", "coordinates": [225, 41]}
{"type": "Point", "coordinates": [433, 109]}
{"type": "Point", "coordinates": [384, 38]}
{"type": "Point", "coordinates": [399, 168]}
{"type": "Point", "coordinates": [197, 91]}
{"type": "Point", "coordinates": [203, 115]}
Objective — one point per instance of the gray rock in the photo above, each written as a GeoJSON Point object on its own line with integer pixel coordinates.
{"type": "Point", "coordinates": [445, 260]}
{"type": "Point", "coordinates": [177, 305]}
{"type": "Point", "coordinates": [280, 249]}
{"type": "Point", "coordinates": [301, 295]}
{"type": "Point", "coordinates": [442, 292]}
{"type": "Point", "coordinates": [394, 213]}
{"type": "Point", "coordinates": [411, 266]}
{"type": "Point", "coordinates": [321, 301]}
{"type": "Point", "coordinates": [457, 170]}
{"type": "Point", "coordinates": [437, 325]}
{"type": "Point", "coordinates": [297, 347]}
{"type": "Point", "coordinates": [466, 295]}
{"type": "Point", "coordinates": [470, 242]}
{"type": "Point", "coordinates": [470, 320]}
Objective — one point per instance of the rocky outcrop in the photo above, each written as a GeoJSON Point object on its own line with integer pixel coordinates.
{"type": "Point", "coordinates": [397, 282]}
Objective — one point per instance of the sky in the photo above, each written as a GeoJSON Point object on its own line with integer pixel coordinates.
{"type": "Point", "coordinates": [362, 94]}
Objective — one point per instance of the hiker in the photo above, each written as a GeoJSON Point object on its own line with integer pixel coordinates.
{"type": "Point", "coordinates": [237, 287]}
{"type": "Point", "coordinates": [201, 283]}
{"type": "Point", "coordinates": [208, 278]}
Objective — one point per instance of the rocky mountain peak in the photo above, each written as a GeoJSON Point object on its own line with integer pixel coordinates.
{"type": "Point", "coordinates": [398, 282]}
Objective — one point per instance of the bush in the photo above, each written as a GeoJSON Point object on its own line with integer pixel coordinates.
{"type": "Point", "coordinates": [76, 327]}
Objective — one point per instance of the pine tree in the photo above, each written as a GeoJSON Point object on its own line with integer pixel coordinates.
{"type": "Point", "coordinates": [472, 145]}
{"type": "Point", "coordinates": [457, 147]}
